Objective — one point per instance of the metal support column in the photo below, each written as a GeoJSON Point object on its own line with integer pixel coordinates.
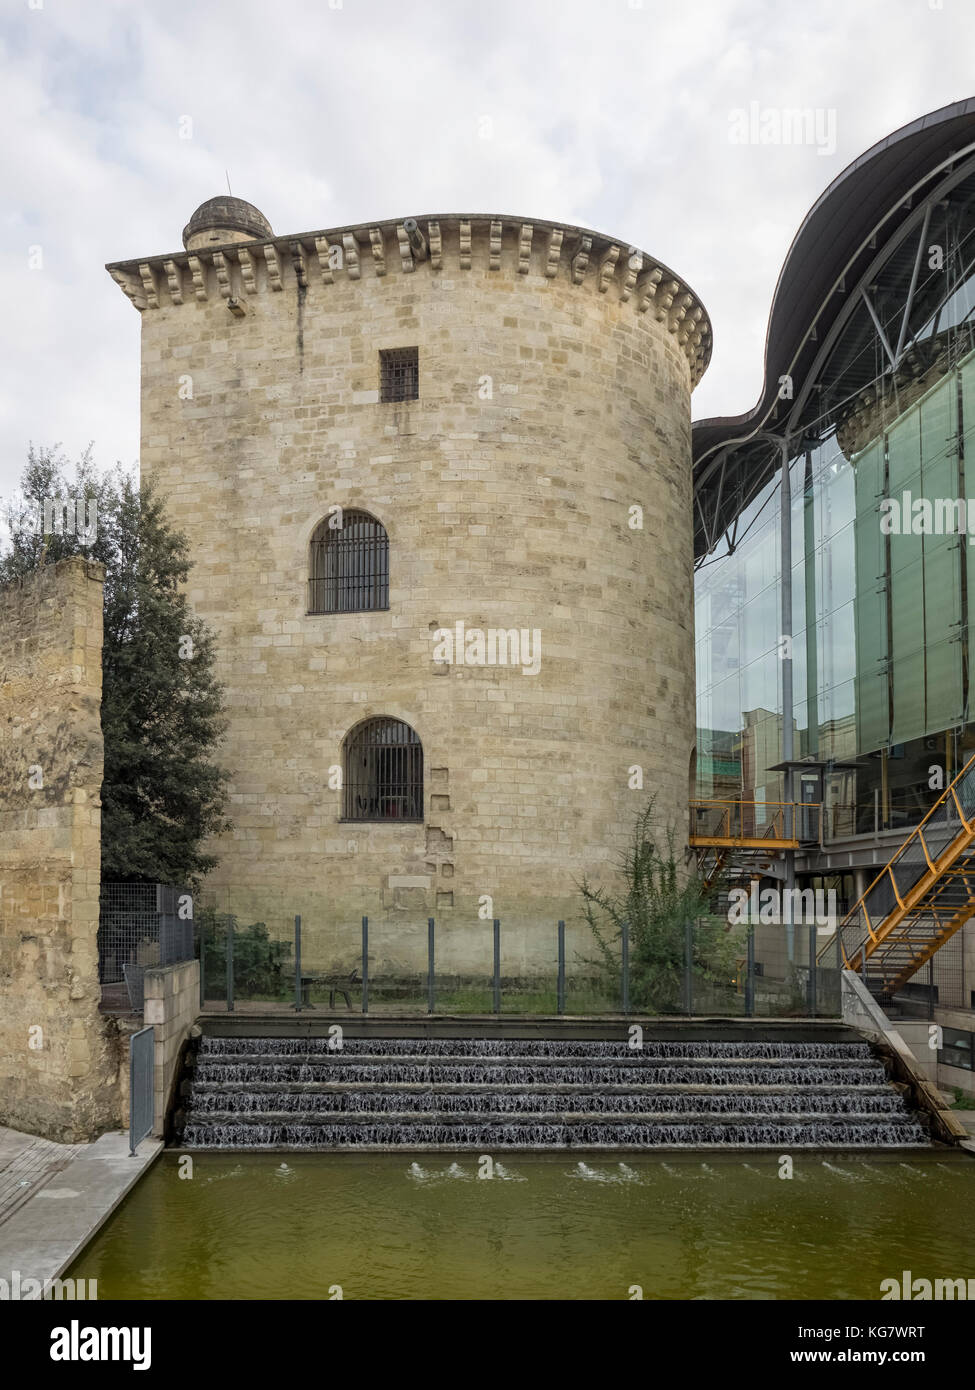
{"type": "Point", "coordinates": [298, 1005]}
{"type": "Point", "coordinates": [431, 968]}
{"type": "Point", "coordinates": [626, 967]}
{"type": "Point", "coordinates": [688, 967]}
{"type": "Point", "coordinates": [785, 653]}
{"type": "Point", "coordinates": [230, 964]}
{"type": "Point", "coordinates": [497, 965]}
{"type": "Point", "coordinates": [203, 965]}
{"type": "Point", "coordinates": [365, 965]}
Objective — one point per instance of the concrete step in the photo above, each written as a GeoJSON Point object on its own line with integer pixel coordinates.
{"type": "Point", "coordinates": [584, 1133]}
{"type": "Point", "coordinates": [474, 1093]}
{"type": "Point", "coordinates": [863, 1101]}
{"type": "Point", "coordinates": [219, 1085]}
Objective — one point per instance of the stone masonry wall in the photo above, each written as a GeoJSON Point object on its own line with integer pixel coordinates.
{"type": "Point", "coordinates": [59, 1061]}
{"type": "Point", "coordinates": [172, 1004]}
{"type": "Point", "coordinates": [549, 406]}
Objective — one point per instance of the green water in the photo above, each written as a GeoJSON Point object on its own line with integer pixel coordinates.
{"type": "Point", "coordinates": [382, 1226]}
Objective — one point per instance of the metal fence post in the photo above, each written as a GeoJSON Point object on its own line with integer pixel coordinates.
{"type": "Point", "coordinates": [298, 1005]}
{"type": "Point", "coordinates": [931, 988]}
{"type": "Point", "coordinates": [750, 974]}
{"type": "Point", "coordinates": [688, 966]}
{"type": "Point", "coordinates": [365, 965]}
{"type": "Point", "coordinates": [560, 989]}
{"type": "Point", "coordinates": [626, 967]}
{"type": "Point", "coordinates": [203, 965]}
{"type": "Point", "coordinates": [431, 967]}
{"type": "Point", "coordinates": [812, 969]}
{"type": "Point", "coordinates": [497, 965]}
{"type": "Point", "coordinates": [230, 963]}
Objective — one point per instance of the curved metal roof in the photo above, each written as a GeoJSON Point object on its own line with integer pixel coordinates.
{"type": "Point", "coordinates": [834, 244]}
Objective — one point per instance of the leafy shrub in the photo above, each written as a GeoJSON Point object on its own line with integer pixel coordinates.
{"type": "Point", "coordinates": [259, 959]}
{"type": "Point", "coordinates": [656, 898]}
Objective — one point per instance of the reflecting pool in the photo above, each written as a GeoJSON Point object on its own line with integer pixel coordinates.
{"type": "Point", "coordinates": [392, 1226]}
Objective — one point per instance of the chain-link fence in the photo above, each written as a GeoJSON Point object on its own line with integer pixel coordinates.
{"type": "Point", "coordinates": [141, 925]}
{"type": "Point", "coordinates": [941, 982]}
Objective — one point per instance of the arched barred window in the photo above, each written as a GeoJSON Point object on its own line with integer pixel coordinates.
{"type": "Point", "coordinates": [349, 565]}
{"type": "Point", "coordinates": [383, 772]}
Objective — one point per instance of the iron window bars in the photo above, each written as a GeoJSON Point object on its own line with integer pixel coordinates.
{"type": "Point", "coordinates": [349, 565]}
{"type": "Point", "coordinates": [399, 374]}
{"type": "Point", "coordinates": [384, 772]}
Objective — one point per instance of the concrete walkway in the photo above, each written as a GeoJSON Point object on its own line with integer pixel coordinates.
{"type": "Point", "coordinates": [54, 1197]}
{"type": "Point", "coordinates": [26, 1163]}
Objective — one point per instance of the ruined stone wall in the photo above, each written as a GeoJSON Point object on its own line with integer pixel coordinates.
{"type": "Point", "coordinates": [59, 1062]}
{"type": "Point", "coordinates": [555, 377]}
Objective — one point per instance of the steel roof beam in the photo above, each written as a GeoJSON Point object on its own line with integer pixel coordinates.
{"type": "Point", "coordinates": [910, 293]}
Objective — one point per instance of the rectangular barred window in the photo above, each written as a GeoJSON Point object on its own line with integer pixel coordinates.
{"type": "Point", "coordinates": [399, 374]}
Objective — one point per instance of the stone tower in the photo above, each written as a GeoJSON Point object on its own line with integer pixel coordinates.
{"type": "Point", "coordinates": [436, 478]}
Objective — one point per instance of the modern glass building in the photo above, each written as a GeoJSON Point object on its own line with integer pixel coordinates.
{"type": "Point", "coordinates": [835, 581]}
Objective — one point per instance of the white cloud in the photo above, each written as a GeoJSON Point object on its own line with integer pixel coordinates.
{"type": "Point", "coordinates": [606, 113]}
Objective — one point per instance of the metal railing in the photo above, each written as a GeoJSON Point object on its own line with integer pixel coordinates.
{"type": "Point", "coordinates": [766, 821]}
{"type": "Point", "coordinates": [867, 816]}
{"type": "Point", "coordinates": [952, 814]}
{"type": "Point", "coordinates": [940, 983]}
{"type": "Point", "coordinates": [293, 965]}
{"type": "Point", "coordinates": [142, 1057]}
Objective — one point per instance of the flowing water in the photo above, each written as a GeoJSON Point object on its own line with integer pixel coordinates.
{"type": "Point", "coordinates": [473, 1093]}
{"type": "Point", "coordinates": [545, 1226]}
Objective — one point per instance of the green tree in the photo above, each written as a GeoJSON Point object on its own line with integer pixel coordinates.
{"type": "Point", "coordinates": [656, 898]}
{"type": "Point", "coordinates": [162, 795]}
{"type": "Point", "coordinates": [260, 961]}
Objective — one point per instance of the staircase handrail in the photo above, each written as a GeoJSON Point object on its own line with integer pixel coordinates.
{"type": "Point", "coordinates": [773, 829]}
{"type": "Point", "coordinates": [915, 834]}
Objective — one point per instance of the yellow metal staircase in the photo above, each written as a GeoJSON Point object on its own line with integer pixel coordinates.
{"type": "Point", "coordinates": [739, 839]}
{"type": "Point", "coordinates": [923, 896]}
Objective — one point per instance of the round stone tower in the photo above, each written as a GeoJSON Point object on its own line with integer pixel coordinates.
{"type": "Point", "coordinates": [436, 478]}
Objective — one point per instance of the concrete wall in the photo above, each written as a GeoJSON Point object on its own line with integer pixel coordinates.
{"type": "Point", "coordinates": [950, 1077]}
{"type": "Point", "coordinates": [917, 1034]}
{"type": "Point", "coordinates": [908, 1057]}
{"type": "Point", "coordinates": [172, 1002]}
{"type": "Point", "coordinates": [964, 1020]}
{"type": "Point", "coordinates": [554, 397]}
{"type": "Point", "coordinates": [59, 1059]}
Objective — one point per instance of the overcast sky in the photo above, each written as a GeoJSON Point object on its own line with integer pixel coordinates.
{"type": "Point", "coordinates": [610, 113]}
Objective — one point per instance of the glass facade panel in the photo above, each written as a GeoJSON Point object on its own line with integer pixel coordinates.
{"type": "Point", "coordinates": [967, 375]}
{"type": "Point", "coordinates": [942, 557]}
{"type": "Point", "coordinates": [872, 711]}
{"type": "Point", "coordinates": [878, 616]}
{"type": "Point", "coordinates": [906, 582]}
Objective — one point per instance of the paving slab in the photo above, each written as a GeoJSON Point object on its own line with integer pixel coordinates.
{"type": "Point", "coordinates": [27, 1163]}
{"type": "Point", "coordinates": [59, 1195]}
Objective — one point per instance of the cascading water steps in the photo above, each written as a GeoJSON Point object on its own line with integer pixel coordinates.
{"type": "Point", "coordinates": [471, 1093]}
